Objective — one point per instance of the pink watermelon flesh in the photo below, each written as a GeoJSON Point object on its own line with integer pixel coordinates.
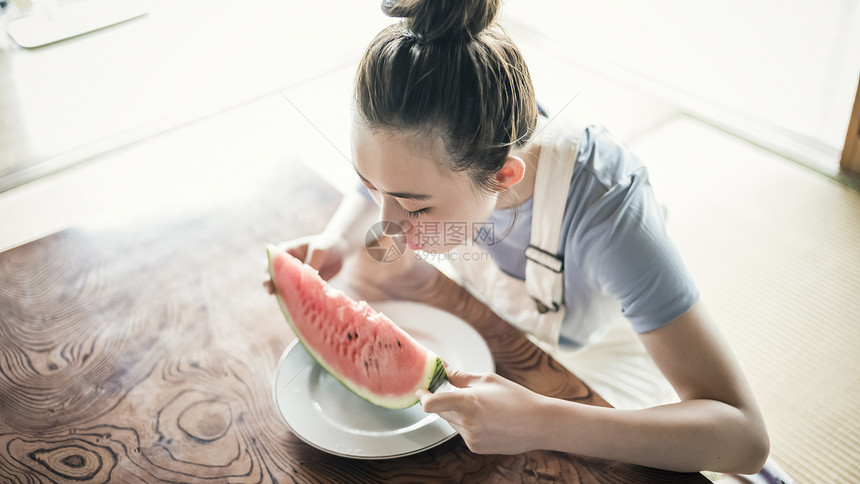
{"type": "Point", "coordinates": [359, 346]}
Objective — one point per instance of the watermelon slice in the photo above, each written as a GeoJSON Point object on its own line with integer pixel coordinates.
{"type": "Point", "coordinates": [359, 346]}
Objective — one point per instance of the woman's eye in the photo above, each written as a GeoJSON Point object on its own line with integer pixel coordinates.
{"type": "Point", "coordinates": [417, 213]}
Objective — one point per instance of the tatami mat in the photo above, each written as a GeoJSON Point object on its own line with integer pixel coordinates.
{"type": "Point", "coordinates": [775, 249]}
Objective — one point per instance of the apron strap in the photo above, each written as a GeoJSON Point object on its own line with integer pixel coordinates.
{"type": "Point", "coordinates": [544, 265]}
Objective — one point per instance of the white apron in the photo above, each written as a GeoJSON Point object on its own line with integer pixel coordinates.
{"type": "Point", "coordinates": [615, 363]}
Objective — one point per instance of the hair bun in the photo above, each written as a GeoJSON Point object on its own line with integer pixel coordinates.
{"type": "Point", "coordinates": [443, 19]}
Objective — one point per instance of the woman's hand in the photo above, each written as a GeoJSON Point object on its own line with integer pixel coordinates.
{"type": "Point", "coordinates": [492, 414]}
{"type": "Point", "coordinates": [323, 252]}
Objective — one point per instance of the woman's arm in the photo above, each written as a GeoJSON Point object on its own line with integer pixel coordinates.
{"type": "Point", "coordinates": [717, 425]}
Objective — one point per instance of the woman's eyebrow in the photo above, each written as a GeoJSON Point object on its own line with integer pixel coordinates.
{"type": "Point", "coordinates": [409, 195]}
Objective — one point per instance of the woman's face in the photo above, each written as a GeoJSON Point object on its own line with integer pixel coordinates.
{"type": "Point", "coordinates": [436, 208]}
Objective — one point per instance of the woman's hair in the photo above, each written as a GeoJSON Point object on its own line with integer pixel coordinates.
{"type": "Point", "coordinates": [448, 70]}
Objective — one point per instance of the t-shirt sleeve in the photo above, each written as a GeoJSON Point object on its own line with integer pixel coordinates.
{"type": "Point", "coordinates": [622, 242]}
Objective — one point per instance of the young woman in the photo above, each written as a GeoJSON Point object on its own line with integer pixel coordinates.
{"type": "Point", "coordinates": [448, 133]}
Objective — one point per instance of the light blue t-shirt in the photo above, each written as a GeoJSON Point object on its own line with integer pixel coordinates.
{"type": "Point", "coordinates": [616, 249]}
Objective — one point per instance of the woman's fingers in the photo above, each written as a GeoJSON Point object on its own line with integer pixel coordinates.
{"type": "Point", "coordinates": [331, 269]}
{"type": "Point", "coordinates": [315, 257]}
{"type": "Point", "coordinates": [451, 401]}
{"type": "Point", "coordinates": [462, 379]}
{"type": "Point", "coordinates": [297, 248]}
{"type": "Point", "coordinates": [440, 402]}
{"type": "Point", "coordinates": [318, 251]}
{"type": "Point", "coordinates": [299, 252]}
{"type": "Point", "coordinates": [487, 410]}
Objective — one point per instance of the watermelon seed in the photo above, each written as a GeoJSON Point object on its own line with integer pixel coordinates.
{"type": "Point", "coordinates": [398, 344]}
{"type": "Point", "coordinates": [349, 335]}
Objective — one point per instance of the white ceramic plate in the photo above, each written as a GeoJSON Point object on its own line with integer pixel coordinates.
{"type": "Point", "coordinates": [325, 414]}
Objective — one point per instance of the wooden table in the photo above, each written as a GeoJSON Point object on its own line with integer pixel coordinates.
{"type": "Point", "coordinates": [145, 353]}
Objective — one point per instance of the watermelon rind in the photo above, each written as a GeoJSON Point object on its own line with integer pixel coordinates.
{"type": "Point", "coordinates": [439, 376]}
{"type": "Point", "coordinates": [433, 377]}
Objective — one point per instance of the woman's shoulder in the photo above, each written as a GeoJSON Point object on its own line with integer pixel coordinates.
{"type": "Point", "coordinates": [598, 153]}
{"type": "Point", "coordinates": [605, 174]}
{"type": "Point", "coordinates": [604, 156]}
{"type": "Point", "coordinates": [608, 183]}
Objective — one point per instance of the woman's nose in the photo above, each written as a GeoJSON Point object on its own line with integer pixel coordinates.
{"type": "Point", "coordinates": [391, 228]}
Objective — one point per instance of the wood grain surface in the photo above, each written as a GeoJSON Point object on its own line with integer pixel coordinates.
{"type": "Point", "coordinates": [145, 352]}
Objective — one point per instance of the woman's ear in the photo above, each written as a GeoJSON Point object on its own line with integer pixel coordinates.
{"type": "Point", "coordinates": [511, 173]}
